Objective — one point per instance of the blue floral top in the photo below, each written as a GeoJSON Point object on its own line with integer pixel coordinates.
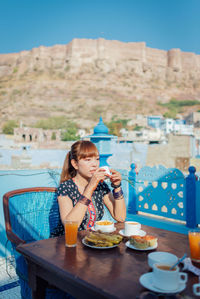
{"type": "Point", "coordinates": [70, 189]}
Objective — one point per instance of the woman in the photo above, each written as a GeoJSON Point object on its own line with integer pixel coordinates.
{"type": "Point", "coordinates": [82, 192]}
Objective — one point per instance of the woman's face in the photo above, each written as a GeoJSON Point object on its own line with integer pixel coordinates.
{"type": "Point", "coordinates": [87, 166]}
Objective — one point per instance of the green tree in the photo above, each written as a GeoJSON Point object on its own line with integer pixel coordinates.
{"type": "Point", "coordinates": [137, 128]}
{"type": "Point", "coordinates": [9, 126]}
{"type": "Point", "coordinates": [70, 134]}
{"type": "Point", "coordinates": [69, 129]}
{"type": "Point", "coordinates": [174, 106]}
{"type": "Point", "coordinates": [115, 125]}
{"type": "Point", "coordinates": [53, 136]}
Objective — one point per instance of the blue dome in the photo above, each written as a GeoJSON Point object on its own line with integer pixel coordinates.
{"type": "Point", "coordinates": [100, 128]}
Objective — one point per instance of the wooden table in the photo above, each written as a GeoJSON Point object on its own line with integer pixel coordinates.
{"type": "Point", "coordinates": [93, 273]}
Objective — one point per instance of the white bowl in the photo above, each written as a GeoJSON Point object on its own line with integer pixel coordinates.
{"type": "Point", "coordinates": [104, 226]}
{"type": "Point", "coordinates": [161, 257]}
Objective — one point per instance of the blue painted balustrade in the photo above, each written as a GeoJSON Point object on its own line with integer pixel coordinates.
{"type": "Point", "coordinates": [191, 198]}
{"type": "Point", "coordinates": [164, 198]}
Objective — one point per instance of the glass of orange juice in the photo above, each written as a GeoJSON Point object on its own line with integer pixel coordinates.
{"type": "Point", "coordinates": [71, 231]}
{"type": "Point", "coordinates": [194, 241]}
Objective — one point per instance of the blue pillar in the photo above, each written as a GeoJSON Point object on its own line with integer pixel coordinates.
{"type": "Point", "coordinates": [191, 198]}
{"type": "Point", "coordinates": [102, 140]}
{"type": "Point", "coordinates": [132, 209]}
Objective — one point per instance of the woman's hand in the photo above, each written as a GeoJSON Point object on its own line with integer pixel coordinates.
{"type": "Point", "coordinates": [116, 177]}
{"type": "Point", "coordinates": [98, 176]}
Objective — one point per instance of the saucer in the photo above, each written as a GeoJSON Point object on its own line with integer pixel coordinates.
{"type": "Point", "coordinates": [111, 231]}
{"type": "Point", "coordinates": [147, 282]}
{"type": "Point", "coordinates": [140, 233]}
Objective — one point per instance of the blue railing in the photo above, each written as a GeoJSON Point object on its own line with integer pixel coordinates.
{"type": "Point", "coordinates": [156, 191]}
{"type": "Point", "coordinates": [167, 194]}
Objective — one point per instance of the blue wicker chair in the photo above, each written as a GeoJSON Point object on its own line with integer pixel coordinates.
{"type": "Point", "coordinates": [31, 214]}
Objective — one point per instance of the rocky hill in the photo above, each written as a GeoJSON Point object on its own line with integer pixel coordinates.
{"type": "Point", "coordinates": [88, 78]}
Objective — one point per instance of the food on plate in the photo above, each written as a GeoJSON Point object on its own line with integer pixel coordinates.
{"type": "Point", "coordinates": [143, 242]}
{"type": "Point", "coordinates": [104, 226]}
{"type": "Point", "coordinates": [104, 222]}
{"type": "Point", "coordinates": [102, 240]}
{"type": "Point", "coordinates": [152, 240]}
{"type": "Point", "coordinates": [139, 242]}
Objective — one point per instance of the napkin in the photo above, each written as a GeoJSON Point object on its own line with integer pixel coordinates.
{"type": "Point", "coordinates": [187, 265]}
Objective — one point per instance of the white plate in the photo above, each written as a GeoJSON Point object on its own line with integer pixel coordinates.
{"type": "Point", "coordinates": [96, 247]}
{"type": "Point", "coordinates": [129, 245]}
{"type": "Point", "coordinates": [94, 230]}
{"type": "Point", "coordinates": [147, 282]}
{"type": "Point", "coordinates": [140, 233]}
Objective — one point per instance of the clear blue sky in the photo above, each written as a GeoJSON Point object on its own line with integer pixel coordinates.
{"type": "Point", "coordinates": [162, 24]}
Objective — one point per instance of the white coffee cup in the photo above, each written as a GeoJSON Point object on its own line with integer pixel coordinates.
{"type": "Point", "coordinates": [196, 289]}
{"type": "Point", "coordinates": [168, 280]}
{"type": "Point", "coordinates": [161, 257]}
{"type": "Point", "coordinates": [131, 228]}
{"type": "Point", "coordinates": [107, 170]}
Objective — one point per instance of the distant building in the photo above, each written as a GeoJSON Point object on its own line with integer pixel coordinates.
{"type": "Point", "coordinates": [147, 136]}
{"type": "Point", "coordinates": [167, 125]}
{"type": "Point", "coordinates": [183, 129]}
{"type": "Point", "coordinates": [153, 135]}
{"type": "Point", "coordinates": [178, 126]}
{"type": "Point", "coordinates": [193, 119]}
{"type": "Point", "coordinates": [27, 134]}
{"type": "Point", "coordinates": [154, 121]}
{"type": "Point", "coordinates": [139, 120]}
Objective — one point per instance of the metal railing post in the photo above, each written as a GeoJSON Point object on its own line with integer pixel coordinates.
{"type": "Point", "coordinates": [191, 198]}
{"type": "Point", "coordinates": [132, 191]}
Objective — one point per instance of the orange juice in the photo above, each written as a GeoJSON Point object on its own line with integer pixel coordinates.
{"type": "Point", "coordinates": [71, 230]}
{"type": "Point", "coordinates": [194, 241]}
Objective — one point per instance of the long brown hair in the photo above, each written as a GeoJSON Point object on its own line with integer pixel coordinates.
{"type": "Point", "coordinates": [79, 150]}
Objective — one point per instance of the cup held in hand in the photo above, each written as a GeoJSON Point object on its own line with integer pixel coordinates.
{"type": "Point", "coordinates": [107, 170]}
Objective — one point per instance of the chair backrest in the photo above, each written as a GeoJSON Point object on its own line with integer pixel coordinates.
{"type": "Point", "coordinates": [30, 214]}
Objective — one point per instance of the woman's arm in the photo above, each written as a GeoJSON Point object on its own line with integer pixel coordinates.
{"type": "Point", "coordinates": [68, 212]}
{"type": "Point", "coordinates": [116, 204]}
{"type": "Point", "coordinates": [77, 213]}
{"type": "Point", "coordinates": [116, 207]}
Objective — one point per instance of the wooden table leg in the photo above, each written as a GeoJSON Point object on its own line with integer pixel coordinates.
{"type": "Point", "coordinates": [37, 284]}
{"type": "Point", "coordinates": [39, 291]}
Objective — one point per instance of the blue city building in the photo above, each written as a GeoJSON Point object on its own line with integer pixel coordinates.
{"type": "Point", "coordinates": [154, 121]}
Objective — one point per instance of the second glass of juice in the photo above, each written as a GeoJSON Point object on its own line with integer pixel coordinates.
{"type": "Point", "coordinates": [71, 231]}
{"type": "Point", "coordinates": [194, 241]}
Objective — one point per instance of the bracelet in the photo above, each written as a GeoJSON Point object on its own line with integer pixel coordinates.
{"type": "Point", "coordinates": [84, 200]}
{"type": "Point", "coordinates": [117, 195]}
{"type": "Point", "coordinates": [115, 186]}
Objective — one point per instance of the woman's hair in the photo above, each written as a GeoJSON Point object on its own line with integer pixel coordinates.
{"type": "Point", "coordinates": [79, 150]}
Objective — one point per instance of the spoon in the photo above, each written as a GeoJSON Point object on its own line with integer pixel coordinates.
{"type": "Point", "coordinates": [178, 262]}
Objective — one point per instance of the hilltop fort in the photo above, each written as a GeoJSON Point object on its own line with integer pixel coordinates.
{"type": "Point", "coordinates": [104, 54]}
{"type": "Point", "coordinates": [108, 77]}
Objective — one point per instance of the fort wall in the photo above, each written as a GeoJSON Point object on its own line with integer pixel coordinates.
{"type": "Point", "coordinates": [84, 51]}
